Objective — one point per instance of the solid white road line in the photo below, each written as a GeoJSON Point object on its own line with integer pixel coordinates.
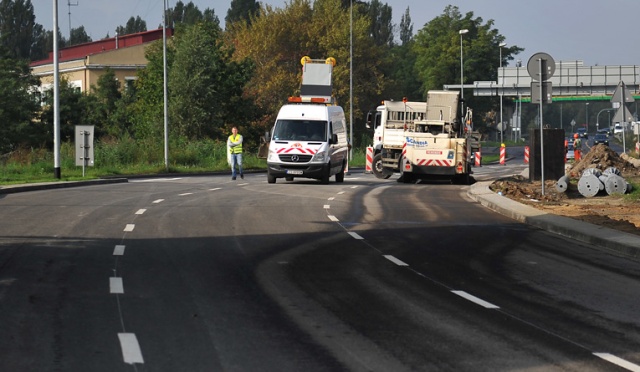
{"type": "Point", "coordinates": [129, 227]}
{"type": "Point", "coordinates": [115, 285]}
{"type": "Point", "coordinates": [130, 348]}
{"type": "Point", "coordinates": [618, 361]}
{"type": "Point", "coordinates": [118, 250]}
{"type": "Point", "coordinates": [333, 218]}
{"type": "Point", "coordinates": [158, 201]}
{"type": "Point", "coordinates": [395, 260]}
{"type": "Point", "coordinates": [355, 236]}
{"type": "Point", "coordinates": [141, 211]}
{"type": "Point", "coordinates": [476, 300]}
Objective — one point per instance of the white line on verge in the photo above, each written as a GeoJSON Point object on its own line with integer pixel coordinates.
{"type": "Point", "coordinates": [116, 286]}
{"type": "Point", "coordinates": [129, 227]}
{"type": "Point", "coordinates": [130, 348]}
{"type": "Point", "coordinates": [395, 260]}
{"type": "Point", "coordinates": [476, 300]}
{"type": "Point", "coordinates": [118, 250]}
{"type": "Point", "coordinates": [618, 361]}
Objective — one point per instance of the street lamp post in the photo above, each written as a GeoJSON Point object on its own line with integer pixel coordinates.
{"type": "Point", "coordinates": [462, 32]}
{"type": "Point", "coordinates": [587, 116]}
{"type": "Point", "coordinates": [501, 93]}
{"type": "Point", "coordinates": [598, 117]}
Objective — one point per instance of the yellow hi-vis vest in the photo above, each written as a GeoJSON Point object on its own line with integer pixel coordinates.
{"type": "Point", "coordinates": [235, 149]}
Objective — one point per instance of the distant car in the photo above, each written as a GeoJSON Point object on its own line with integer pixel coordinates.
{"type": "Point", "coordinates": [570, 153]}
{"type": "Point", "coordinates": [601, 138]}
{"type": "Point", "coordinates": [583, 132]}
{"type": "Point", "coordinates": [605, 131]}
{"type": "Point", "coordinates": [617, 129]}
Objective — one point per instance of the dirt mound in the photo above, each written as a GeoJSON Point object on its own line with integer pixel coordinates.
{"type": "Point", "coordinates": [602, 157]}
{"type": "Point", "coordinates": [611, 211]}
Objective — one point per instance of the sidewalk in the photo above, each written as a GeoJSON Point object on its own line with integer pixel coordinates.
{"type": "Point", "coordinates": [612, 241]}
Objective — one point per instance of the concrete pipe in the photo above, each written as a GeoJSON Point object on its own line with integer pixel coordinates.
{"type": "Point", "coordinates": [589, 185]}
{"type": "Point", "coordinates": [562, 184]}
{"type": "Point", "coordinates": [615, 185]}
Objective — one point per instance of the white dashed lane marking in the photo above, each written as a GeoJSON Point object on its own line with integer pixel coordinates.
{"type": "Point", "coordinates": [333, 218]}
{"type": "Point", "coordinates": [185, 194]}
{"type": "Point", "coordinates": [355, 236]}
{"type": "Point", "coordinates": [158, 201]}
{"type": "Point", "coordinates": [395, 260]}
{"type": "Point", "coordinates": [475, 300]}
{"type": "Point", "coordinates": [130, 348]}
{"type": "Point", "coordinates": [327, 206]}
{"type": "Point", "coordinates": [118, 250]}
{"type": "Point", "coordinates": [141, 211]}
{"type": "Point", "coordinates": [618, 361]}
{"type": "Point", "coordinates": [116, 286]}
{"type": "Point", "coordinates": [129, 227]}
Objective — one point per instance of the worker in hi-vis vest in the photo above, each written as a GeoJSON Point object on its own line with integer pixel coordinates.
{"type": "Point", "coordinates": [234, 143]}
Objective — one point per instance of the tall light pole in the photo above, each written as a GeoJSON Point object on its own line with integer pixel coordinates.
{"type": "Point", "coordinates": [164, 85]}
{"type": "Point", "coordinates": [501, 93]}
{"type": "Point", "coordinates": [56, 95]}
{"type": "Point", "coordinates": [462, 32]}
{"type": "Point", "coordinates": [351, 79]}
{"type": "Point", "coordinates": [587, 115]}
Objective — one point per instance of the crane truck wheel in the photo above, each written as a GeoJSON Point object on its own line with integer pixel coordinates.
{"type": "Point", "coordinates": [378, 170]}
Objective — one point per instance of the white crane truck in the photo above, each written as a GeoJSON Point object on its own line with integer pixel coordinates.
{"type": "Point", "coordinates": [423, 143]}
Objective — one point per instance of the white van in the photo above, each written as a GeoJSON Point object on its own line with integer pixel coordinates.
{"type": "Point", "coordinates": [308, 140]}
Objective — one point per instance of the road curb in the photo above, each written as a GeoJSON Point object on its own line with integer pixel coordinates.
{"type": "Point", "coordinates": [8, 189]}
{"type": "Point", "coordinates": [605, 239]}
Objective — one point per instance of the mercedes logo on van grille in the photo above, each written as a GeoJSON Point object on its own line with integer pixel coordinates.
{"type": "Point", "coordinates": [295, 158]}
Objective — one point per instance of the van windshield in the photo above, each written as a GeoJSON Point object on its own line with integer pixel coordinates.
{"type": "Point", "coordinates": [300, 130]}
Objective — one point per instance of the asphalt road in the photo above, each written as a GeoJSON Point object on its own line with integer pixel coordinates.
{"type": "Point", "coordinates": [206, 274]}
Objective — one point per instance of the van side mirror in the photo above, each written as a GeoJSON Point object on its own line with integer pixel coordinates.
{"type": "Point", "coordinates": [334, 138]}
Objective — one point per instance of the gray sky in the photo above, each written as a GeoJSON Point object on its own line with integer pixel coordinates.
{"type": "Point", "coordinates": [596, 32]}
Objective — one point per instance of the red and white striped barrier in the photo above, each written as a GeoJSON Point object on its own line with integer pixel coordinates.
{"type": "Point", "coordinates": [478, 159]}
{"type": "Point", "coordinates": [526, 154]}
{"type": "Point", "coordinates": [638, 147]}
{"type": "Point", "coordinates": [369, 160]}
{"type": "Point", "coordinates": [503, 155]}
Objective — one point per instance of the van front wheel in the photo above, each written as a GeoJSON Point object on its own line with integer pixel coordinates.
{"type": "Point", "coordinates": [271, 178]}
{"type": "Point", "coordinates": [325, 175]}
{"type": "Point", "coordinates": [340, 175]}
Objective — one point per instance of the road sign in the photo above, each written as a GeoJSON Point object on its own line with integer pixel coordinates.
{"type": "Point", "coordinates": [617, 95]}
{"type": "Point", "coordinates": [622, 116]}
{"type": "Point", "coordinates": [546, 92]}
{"type": "Point", "coordinates": [548, 67]}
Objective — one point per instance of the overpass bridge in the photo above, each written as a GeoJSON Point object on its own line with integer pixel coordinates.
{"type": "Point", "coordinates": [572, 81]}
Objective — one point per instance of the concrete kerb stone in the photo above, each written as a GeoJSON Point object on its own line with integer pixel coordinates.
{"type": "Point", "coordinates": [606, 239]}
{"type": "Point", "coordinates": [10, 189]}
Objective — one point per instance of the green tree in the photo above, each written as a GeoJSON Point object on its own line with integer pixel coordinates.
{"type": "Point", "coordinates": [242, 10]}
{"type": "Point", "coordinates": [279, 38]}
{"type": "Point", "coordinates": [381, 26]}
{"type": "Point", "coordinates": [72, 111]}
{"type": "Point", "coordinates": [437, 49]}
{"type": "Point", "coordinates": [17, 20]}
{"type": "Point", "coordinates": [18, 103]}
{"type": "Point", "coordinates": [188, 14]}
{"type": "Point", "coordinates": [102, 106]}
{"type": "Point", "coordinates": [406, 28]}
{"type": "Point", "coordinates": [79, 36]}
{"type": "Point", "coordinates": [207, 86]}
{"type": "Point", "coordinates": [133, 26]}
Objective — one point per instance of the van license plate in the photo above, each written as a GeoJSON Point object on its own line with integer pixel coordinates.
{"type": "Point", "coordinates": [291, 171]}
